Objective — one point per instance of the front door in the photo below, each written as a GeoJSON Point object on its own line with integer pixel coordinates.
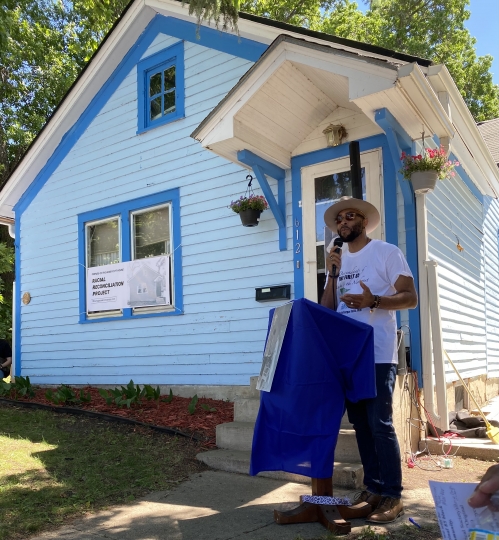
{"type": "Point", "coordinates": [322, 185]}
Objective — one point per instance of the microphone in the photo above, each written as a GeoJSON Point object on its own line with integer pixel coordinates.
{"type": "Point", "coordinates": [338, 242]}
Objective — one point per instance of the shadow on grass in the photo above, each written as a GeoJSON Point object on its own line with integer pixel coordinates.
{"type": "Point", "coordinates": [216, 505]}
{"type": "Point", "coordinates": [58, 468]}
{"type": "Point", "coordinates": [55, 466]}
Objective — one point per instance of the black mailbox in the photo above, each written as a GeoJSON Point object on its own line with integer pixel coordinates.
{"type": "Point", "coordinates": [274, 292]}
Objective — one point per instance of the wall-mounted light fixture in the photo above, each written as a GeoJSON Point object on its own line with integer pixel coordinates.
{"type": "Point", "coordinates": [335, 134]}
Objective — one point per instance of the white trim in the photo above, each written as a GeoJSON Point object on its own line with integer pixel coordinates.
{"type": "Point", "coordinates": [155, 309]}
{"type": "Point", "coordinates": [471, 144]}
{"type": "Point", "coordinates": [106, 60]}
{"type": "Point", "coordinates": [414, 83]}
{"type": "Point", "coordinates": [379, 79]}
{"type": "Point", "coordinates": [112, 312]}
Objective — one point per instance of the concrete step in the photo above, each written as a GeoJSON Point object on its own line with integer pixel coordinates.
{"type": "Point", "coordinates": [483, 449]}
{"type": "Point", "coordinates": [253, 391]}
{"type": "Point", "coordinates": [246, 410]}
{"type": "Point", "coordinates": [346, 475]}
{"type": "Point", "coordinates": [239, 436]}
{"type": "Point", "coordinates": [235, 435]}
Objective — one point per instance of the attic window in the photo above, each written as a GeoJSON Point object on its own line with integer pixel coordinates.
{"type": "Point", "coordinates": [160, 87]}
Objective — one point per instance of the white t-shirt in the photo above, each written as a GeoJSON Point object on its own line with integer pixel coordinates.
{"type": "Point", "coordinates": [378, 265]}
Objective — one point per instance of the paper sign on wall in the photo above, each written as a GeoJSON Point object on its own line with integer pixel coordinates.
{"type": "Point", "coordinates": [139, 283]}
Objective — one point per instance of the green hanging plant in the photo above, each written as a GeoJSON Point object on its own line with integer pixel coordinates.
{"type": "Point", "coordinates": [224, 13]}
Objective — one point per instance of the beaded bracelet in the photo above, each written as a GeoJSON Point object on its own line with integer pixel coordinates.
{"type": "Point", "coordinates": [375, 304]}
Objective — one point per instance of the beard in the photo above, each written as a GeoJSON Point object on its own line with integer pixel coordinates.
{"type": "Point", "coordinates": [351, 233]}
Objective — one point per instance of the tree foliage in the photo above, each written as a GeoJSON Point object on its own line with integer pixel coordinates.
{"type": "Point", "coordinates": [6, 279]}
{"type": "Point", "coordinates": [432, 29]}
{"type": "Point", "coordinates": [44, 44]}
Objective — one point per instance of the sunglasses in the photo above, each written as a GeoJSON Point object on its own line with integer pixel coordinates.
{"type": "Point", "coordinates": [349, 216]}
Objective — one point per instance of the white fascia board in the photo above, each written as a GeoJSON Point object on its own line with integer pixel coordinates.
{"type": "Point", "coordinates": [267, 34]}
{"type": "Point", "coordinates": [419, 92]}
{"type": "Point", "coordinates": [262, 33]}
{"type": "Point", "coordinates": [359, 70]}
{"type": "Point", "coordinates": [98, 71]}
{"type": "Point", "coordinates": [441, 81]}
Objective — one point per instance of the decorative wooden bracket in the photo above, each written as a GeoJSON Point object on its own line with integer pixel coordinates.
{"type": "Point", "coordinates": [263, 168]}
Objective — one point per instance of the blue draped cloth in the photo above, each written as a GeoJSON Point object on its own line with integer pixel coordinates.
{"type": "Point", "coordinates": [325, 359]}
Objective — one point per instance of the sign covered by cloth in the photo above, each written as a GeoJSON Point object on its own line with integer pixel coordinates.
{"type": "Point", "coordinates": [138, 283]}
{"type": "Point", "coordinates": [325, 358]}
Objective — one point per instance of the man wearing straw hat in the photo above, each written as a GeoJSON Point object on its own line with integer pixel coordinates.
{"type": "Point", "coordinates": [369, 282]}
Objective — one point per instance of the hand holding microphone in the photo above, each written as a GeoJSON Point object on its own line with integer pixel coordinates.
{"type": "Point", "coordinates": [333, 262]}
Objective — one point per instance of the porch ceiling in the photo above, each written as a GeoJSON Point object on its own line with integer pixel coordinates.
{"type": "Point", "coordinates": [289, 106]}
{"type": "Point", "coordinates": [286, 95]}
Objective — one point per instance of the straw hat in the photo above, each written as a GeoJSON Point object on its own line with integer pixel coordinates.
{"type": "Point", "coordinates": [365, 208]}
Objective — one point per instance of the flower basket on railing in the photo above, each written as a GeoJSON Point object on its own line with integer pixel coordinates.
{"type": "Point", "coordinates": [425, 169]}
{"type": "Point", "coordinates": [249, 206]}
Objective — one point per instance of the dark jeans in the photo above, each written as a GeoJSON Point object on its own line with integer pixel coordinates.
{"type": "Point", "coordinates": [378, 446]}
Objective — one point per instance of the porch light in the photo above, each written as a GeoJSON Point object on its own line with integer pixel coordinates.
{"type": "Point", "coordinates": [335, 134]}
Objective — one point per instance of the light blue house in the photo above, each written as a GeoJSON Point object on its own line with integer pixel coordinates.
{"type": "Point", "coordinates": [155, 139]}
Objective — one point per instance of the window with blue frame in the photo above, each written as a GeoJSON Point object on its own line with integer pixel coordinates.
{"type": "Point", "coordinates": [160, 86]}
{"type": "Point", "coordinates": [138, 229]}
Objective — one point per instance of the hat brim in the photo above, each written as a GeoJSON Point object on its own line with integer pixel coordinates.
{"type": "Point", "coordinates": [367, 209]}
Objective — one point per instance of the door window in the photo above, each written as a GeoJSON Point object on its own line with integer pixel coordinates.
{"type": "Point", "coordinates": [327, 190]}
{"type": "Point", "coordinates": [322, 185]}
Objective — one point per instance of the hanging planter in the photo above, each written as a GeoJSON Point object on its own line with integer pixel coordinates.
{"type": "Point", "coordinates": [424, 181]}
{"type": "Point", "coordinates": [249, 206]}
{"type": "Point", "coordinates": [250, 217]}
{"type": "Point", "coordinates": [425, 169]}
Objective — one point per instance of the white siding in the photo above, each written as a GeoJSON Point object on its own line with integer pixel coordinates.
{"type": "Point", "coordinates": [220, 337]}
{"type": "Point", "coordinates": [454, 213]}
{"type": "Point", "coordinates": [491, 231]}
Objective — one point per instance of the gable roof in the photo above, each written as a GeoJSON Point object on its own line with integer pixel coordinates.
{"type": "Point", "coordinates": [118, 47]}
{"type": "Point", "coordinates": [490, 133]}
{"type": "Point", "coordinates": [136, 8]}
{"type": "Point", "coordinates": [350, 43]}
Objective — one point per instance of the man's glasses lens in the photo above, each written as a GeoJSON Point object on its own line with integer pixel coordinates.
{"type": "Point", "coordinates": [349, 216]}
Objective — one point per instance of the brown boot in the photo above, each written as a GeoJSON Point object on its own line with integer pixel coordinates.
{"type": "Point", "coordinates": [388, 510]}
{"type": "Point", "coordinates": [364, 504]}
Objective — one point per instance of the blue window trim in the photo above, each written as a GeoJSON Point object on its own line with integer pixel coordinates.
{"type": "Point", "coordinates": [171, 56]}
{"type": "Point", "coordinates": [188, 31]}
{"type": "Point", "coordinates": [123, 210]}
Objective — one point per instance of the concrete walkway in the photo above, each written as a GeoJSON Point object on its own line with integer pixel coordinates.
{"type": "Point", "coordinates": [215, 505]}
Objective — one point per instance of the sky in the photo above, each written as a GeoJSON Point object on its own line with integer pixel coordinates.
{"type": "Point", "coordinates": [483, 26]}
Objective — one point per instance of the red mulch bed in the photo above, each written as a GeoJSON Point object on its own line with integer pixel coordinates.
{"type": "Point", "coordinates": [173, 415]}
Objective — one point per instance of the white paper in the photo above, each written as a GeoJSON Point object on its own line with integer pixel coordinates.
{"type": "Point", "coordinates": [149, 282]}
{"type": "Point", "coordinates": [273, 347]}
{"type": "Point", "coordinates": [139, 283]}
{"type": "Point", "coordinates": [455, 515]}
{"type": "Point", "coordinates": [107, 287]}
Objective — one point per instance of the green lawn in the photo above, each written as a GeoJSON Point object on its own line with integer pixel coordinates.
{"type": "Point", "coordinates": [55, 466]}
